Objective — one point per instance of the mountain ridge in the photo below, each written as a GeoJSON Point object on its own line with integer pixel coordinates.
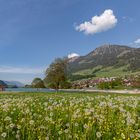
{"type": "Point", "coordinates": [11, 83]}
{"type": "Point", "coordinates": [108, 55]}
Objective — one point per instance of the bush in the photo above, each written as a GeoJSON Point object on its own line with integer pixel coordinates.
{"type": "Point", "coordinates": [114, 84]}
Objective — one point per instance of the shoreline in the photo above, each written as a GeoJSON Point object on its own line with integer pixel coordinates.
{"type": "Point", "coordinates": [134, 91]}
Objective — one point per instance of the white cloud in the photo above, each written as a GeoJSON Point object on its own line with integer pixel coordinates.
{"type": "Point", "coordinates": [21, 70]}
{"type": "Point", "coordinates": [137, 41]}
{"type": "Point", "coordinates": [73, 55]}
{"type": "Point", "coordinates": [104, 22]}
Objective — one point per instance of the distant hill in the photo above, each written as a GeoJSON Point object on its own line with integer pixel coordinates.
{"type": "Point", "coordinates": [107, 58]}
{"type": "Point", "coordinates": [11, 84]}
{"type": "Point", "coordinates": [14, 83]}
{"type": "Point", "coordinates": [3, 83]}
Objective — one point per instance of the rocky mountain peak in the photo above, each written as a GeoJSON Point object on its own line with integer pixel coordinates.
{"type": "Point", "coordinates": [109, 49]}
{"type": "Point", "coordinates": [108, 55]}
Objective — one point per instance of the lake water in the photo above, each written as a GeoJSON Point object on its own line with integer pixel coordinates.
{"type": "Point", "coordinates": [29, 90]}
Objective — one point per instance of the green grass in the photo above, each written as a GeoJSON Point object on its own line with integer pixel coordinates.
{"type": "Point", "coordinates": [107, 72]}
{"type": "Point", "coordinates": [69, 116]}
{"type": "Point", "coordinates": [87, 71]}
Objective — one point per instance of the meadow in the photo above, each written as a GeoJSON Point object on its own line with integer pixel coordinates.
{"type": "Point", "coordinates": [69, 116]}
{"type": "Point", "coordinates": [99, 71]}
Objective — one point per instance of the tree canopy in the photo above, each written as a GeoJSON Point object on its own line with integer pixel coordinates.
{"type": "Point", "coordinates": [37, 83]}
{"type": "Point", "coordinates": [56, 74]}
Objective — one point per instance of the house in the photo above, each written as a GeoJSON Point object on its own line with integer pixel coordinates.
{"type": "Point", "coordinates": [2, 88]}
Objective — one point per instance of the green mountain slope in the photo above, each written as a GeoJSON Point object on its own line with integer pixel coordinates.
{"type": "Point", "coordinates": [108, 60]}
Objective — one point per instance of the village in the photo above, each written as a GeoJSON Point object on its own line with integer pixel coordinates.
{"type": "Point", "coordinates": [127, 82]}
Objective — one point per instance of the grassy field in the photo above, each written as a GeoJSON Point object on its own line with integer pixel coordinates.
{"type": "Point", "coordinates": [69, 116]}
{"type": "Point", "coordinates": [107, 72]}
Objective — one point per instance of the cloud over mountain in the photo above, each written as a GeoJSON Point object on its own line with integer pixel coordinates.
{"type": "Point", "coordinates": [103, 22]}
{"type": "Point", "coordinates": [73, 55]}
{"type": "Point", "coordinates": [137, 41]}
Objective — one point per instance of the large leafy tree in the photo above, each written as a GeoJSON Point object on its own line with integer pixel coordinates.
{"type": "Point", "coordinates": [56, 74]}
{"type": "Point", "coordinates": [37, 83]}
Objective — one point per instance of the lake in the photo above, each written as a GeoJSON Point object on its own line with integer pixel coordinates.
{"type": "Point", "coordinates": [29, 90]}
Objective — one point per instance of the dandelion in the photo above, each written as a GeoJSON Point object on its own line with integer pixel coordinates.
{"type": "Point", "coordinates": [18, 131]}
{"type": "Point", "coordinates": [51, 114]}
{"type": "Point", "coordinates": [132, 135]}
{"type": "Point", "coordinates": [4, 135]}
{"type": "Point", "coordinates": [17, 136]}
{"type": "Point", "coordinates": [76, 124]}
{"type": "Point", "coordinates": [138, 135]}
{"type": "Point", "coordinates": [66, 131]}
{"type": "Point", "coordinates": [122, 135]}
{"type": "Point", "coordinates": [60, 132]}
{"type": "Point", "coordinates": [123, 121]}
{"type": "Point", "coordinates": [73, 117]}
{"type": "Point", "coordinates": [31, 122]}
{"type": "Point", "coordinates": [19, 126]}
{"type": "Point", "coordinates": [67, 124]}
{"type": "Point", "coordinates": [23, 120]}
{"type": "Point", "coordinates": [12, 125]}
{"type": "Point", "coordinates": [27, 111]}
{"type": "Point", "coordinates": [85, 126]}
{"type": "Point", "coordinates": [98, 134]}
{"type": "Point", "coordinates": [7, 118]}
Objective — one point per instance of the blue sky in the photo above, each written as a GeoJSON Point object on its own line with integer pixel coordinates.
{"type": "Point", "coordinates": [35, 32]}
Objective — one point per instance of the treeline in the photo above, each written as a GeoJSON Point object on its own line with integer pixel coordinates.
{"type": "Point", "coordinates": [56, 76]}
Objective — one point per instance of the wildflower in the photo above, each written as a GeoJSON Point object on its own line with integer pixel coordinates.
{"type": "Point", "coordinates": [123, 121]}
{"type": "Point", "coordinates": [46, 118]}
{"type": "Point", "coordinates": [31, 122]}
{"type": "Point", "coordinates": [17, 136]}
{"type": "Point", "coordinates": [76, 124]}
{"type": "Point", "coordinates": [122, 135]}
{"type": "Point", "coordinates": [27, 111]}
{"type": "Point", "coordinates": [18, 131]}
{"type": "Point", "coordinates": [7, 118]}
{"type": "Point", "coordinates": [85, 126]}
{"type": "Point", "coordinates": [60, 132]}
{"type": "Point", "coordinates": [19, 126]}
{"type": "Point", "coordinates": [132, 135]}
{"type": "Point", "coordinates": [12, 125]}
{"type": "Point", "coordinates": [14, 109]}
{"type": "Point", "coordinates": [67, 124]}
{"type": "Point", "coordinates": [23, 120]}
{"type": "Point", "coordinates": [138, 135]}
{"type": "Point", "coordinates": [51, 114]}
{"type": "Point", "coordinates": [98, 134]}
{"type": "Point", "coordinates": [66, 131]}
{"type": "Point", "coordinates": [4, 135]}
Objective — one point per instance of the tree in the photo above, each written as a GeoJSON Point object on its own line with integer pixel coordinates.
{"type": "Point", "coordinates": [37, 83]}
{"type": "Point", "coordinates": [56, 74]}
